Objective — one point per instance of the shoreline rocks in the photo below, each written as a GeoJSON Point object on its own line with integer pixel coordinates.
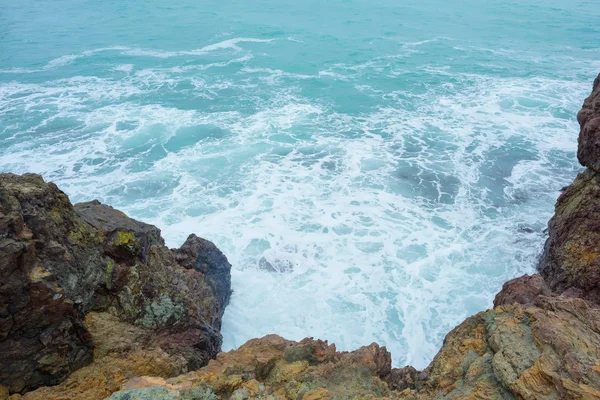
{"type": "Point", "coordinates": [61, 264]}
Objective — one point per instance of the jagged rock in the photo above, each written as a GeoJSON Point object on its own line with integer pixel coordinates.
{"type": "Point", "coordinates": [547, 351]}
{"type": "Point", "coordinates": [588, 151]}
{"type": "Point", "coordinates": [275, 368]}
{"type": "Point", "coordinates": [49, 270]}
{"type": "Point", "coordinates": [523, 290]}
{"type": "Point", "coordinates": [571, 258]}
{"type": "Point", "coordinates": [59, 263]}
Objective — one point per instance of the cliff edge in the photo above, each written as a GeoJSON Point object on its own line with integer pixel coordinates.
{"type": "Point", "coordinates": [86, 285]}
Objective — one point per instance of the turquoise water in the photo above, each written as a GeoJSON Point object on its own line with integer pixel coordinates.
{"type": "Point", "coordinates": [373, 171]}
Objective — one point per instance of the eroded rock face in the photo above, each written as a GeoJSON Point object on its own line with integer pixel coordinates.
{"type": "Point", "coordinates": [588, 151]}
{"type": "Point", "coordinates": [546, 350]}
{"type": "Point", "coordinates": [59, 263]}
{"type": "Point", "coordinates": [550, 350]}
{"type": "Point", "coordinates": [49, 269]}
{"type": "Point", "coordinates": [523, 290]}
{"type": "Point", "coordinates": [275, 368]}
{"type": "Point", "coordinates": [571, 259]}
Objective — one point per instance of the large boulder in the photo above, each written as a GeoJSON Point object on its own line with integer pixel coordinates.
{"type": "Point", "coordinates": [60, 263]}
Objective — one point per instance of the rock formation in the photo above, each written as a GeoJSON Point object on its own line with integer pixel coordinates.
{"type": "Point", "coordinates": [85, 283]}
{"type": "Point", "coordinates": [89, 283]}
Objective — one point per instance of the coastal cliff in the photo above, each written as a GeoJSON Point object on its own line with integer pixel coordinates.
{"type": "Point", "coordinates": [86, 284]}
{"type": "Point", "coordinates": [95, 304]}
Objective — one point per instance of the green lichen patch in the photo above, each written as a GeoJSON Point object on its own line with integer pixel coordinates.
{"type": "Point", "coordinates": [161, 311]}
{"type": "Point", "coordinates": [127, 240]}
{"type": "Point", "coordinates": [83, 234]}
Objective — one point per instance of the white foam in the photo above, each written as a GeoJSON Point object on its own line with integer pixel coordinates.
{"type": "Point", "coordinates": [124, 68]}
{"type": "Point", "coordinates": [222, 45]}
{"type": "Point", "coordinates": [397, 222]}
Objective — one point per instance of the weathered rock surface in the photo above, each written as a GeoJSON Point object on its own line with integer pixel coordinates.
{"type": "Point", "coordinates": [523, 290]}
{"type": "Point", "coordinates": [571, 259]}
{"type": "Point", "coordinates": [588, 151]}
{"type": "Point", "coordinates": [547, 351]}
{"type": "Point", "coordinates": [59, 263]}
{"type": "Point", "coordinates": [275, 368]}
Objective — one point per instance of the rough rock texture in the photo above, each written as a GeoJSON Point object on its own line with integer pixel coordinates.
{"type": "Point", "coordinates": [275, 368]}
{"type": "Point", "coordinates": [58, 263]}
{"type": "Point", "coordinates": [571, 259]}
{"type": "Point", "coordinates": [547, 351]}
{"type": "Point", "coordinates": [588, 151]}
{"type": "Point", "coordinates": [523, 290]}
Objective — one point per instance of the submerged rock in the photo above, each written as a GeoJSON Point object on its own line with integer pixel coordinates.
{"type": "Point", "coordinates": [74, 277]}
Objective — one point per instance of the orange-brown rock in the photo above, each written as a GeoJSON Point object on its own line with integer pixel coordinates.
{"type": "Point", "coordinates": [275, 368]}
{"type": "Point", "coordinates": [550, 350]}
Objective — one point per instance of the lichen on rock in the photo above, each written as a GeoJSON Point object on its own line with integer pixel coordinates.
{"type": "Point", "coordinates": [61, 263]}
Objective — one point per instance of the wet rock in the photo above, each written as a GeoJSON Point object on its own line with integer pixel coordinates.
{"type": "Point", "coordinates": [61, 263]}
{"type": "Point", "coordinates": [203, 256]}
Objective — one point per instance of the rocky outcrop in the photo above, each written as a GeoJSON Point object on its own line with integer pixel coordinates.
{"type": "Point", "coordinates": [588, 150]}
{"type": "Point", "coordinates": [275, 368]}
{"type": "Point", "coordinates": [524, 290]}
{"type": "Point", "coordinates": [548, 350]}
{"type": "Point", "coordinates": [71, 273]}
{"type": "Point", "coordinates": [571, 260]}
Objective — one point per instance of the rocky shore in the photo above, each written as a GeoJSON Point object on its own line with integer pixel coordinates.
{"type": "Point", "coordinates": [93, 306]}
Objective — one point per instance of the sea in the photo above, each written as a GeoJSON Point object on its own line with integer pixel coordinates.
{"type": "Point", "coordinates": [373, 170]}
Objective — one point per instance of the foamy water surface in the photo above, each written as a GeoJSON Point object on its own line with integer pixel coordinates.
{"type": "Point", "coordinates": [374, 172]}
